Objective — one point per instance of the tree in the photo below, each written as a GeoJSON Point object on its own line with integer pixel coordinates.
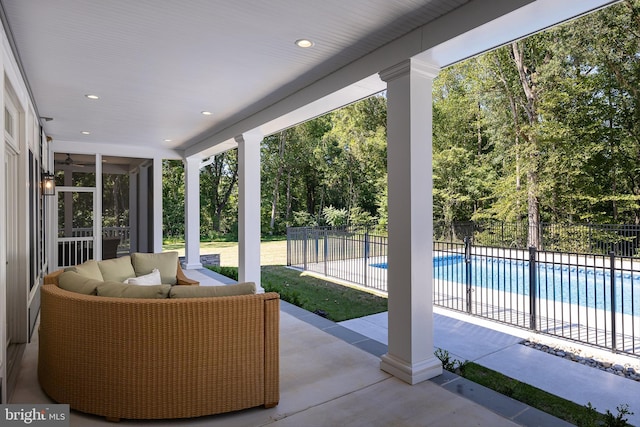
{"type": "Point", "coordinates": [218, 190]}
{"type": "Point", "coordinates": [173, 198]}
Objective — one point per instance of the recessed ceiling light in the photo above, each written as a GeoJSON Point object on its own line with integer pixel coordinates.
{"type": "Point", "coordinates": [90, 96]}
{"type": "Point", "coordinates": [304, 43]}
{"type": "Point", "coordinates": [206, 113]}
{"type": "Point", "coordinates": [85, 132]}
{"type": "Point", "coordinates": [168, 140]}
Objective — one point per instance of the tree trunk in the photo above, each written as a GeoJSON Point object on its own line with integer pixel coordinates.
{"type": "Point", "coordinates": [289, 200]}
{"type": "Point", "coordinates": [221, 190]}
{"type": "Point", "coordinates": [527, 80]}
{"type": "Point", "coordinates": [276, 184]}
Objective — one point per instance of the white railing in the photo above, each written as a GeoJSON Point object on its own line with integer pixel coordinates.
{"type": "Point", "coordinates": [123, 233]}
{"type": "Point", "coordinates": [74, 250]}
{"type": "Point", "coordinates": [79, 247]}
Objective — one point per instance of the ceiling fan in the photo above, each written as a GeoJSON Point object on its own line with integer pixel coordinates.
{"type": "Point", "coordinates": [69, 162]}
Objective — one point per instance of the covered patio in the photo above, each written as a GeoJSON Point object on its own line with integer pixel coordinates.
{"type": "Point", "coordinates": [329, 377]}
{"type": "Point", "coordinates": [161, 80]}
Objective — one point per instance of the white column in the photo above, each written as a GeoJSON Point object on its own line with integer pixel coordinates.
{"type": "Point", "coordinates": [97, 215]}
{"type": "Point", "coordinates": [410, 275]}
{"type": "Point", "coordinates": [157, 205]}
{"type": "Point", "coordinates": [143, 209]}
{"type": "Point", "coordinates": [249, 207]}
{"type": "Point", "coordinates": [192, 212]}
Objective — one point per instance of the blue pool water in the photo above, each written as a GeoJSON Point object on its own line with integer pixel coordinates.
{"type": "Point", "coordinates": [585, 286]}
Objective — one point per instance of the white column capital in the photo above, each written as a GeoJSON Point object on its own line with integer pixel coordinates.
{"type": "Point", "coordinates": [250, 136]}
{"type": "Point", "coordinates": [405, 67]}
{"type": "Point", "coordinates": [193, 160]}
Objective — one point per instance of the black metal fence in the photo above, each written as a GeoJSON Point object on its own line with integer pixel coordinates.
{"type": "Point", "coordinates": [591, 298]}
{"type": "Point", "coordinates": [623, 240]}
{"type": "Point", "coordinates": [346, 254]}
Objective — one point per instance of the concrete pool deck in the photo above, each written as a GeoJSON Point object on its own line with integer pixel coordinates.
{"type": "Point", "coordinates": [498, 347]}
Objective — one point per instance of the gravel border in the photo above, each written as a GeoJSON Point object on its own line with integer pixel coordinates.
{"type": "Point", "coordinates": [580, 356]}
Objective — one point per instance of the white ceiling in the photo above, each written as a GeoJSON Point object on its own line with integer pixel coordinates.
{"type": "Point", "coordinates": [156, 64]}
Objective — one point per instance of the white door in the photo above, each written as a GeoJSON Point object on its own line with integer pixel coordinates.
{"type": "Point", "coordinates": [11, 190]}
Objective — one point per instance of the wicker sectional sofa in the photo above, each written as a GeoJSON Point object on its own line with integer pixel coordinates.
{"type": "Point", "coordinates": [156, 358]}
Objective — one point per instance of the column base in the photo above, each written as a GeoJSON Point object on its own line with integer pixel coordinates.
{"type": "Point", "coordinates": [412, 374]}
{"type": "Point", "coordinates": [193, 266]}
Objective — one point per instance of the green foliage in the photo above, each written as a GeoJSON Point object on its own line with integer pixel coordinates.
{"type": "Point", "coordinates": [583, 416]}
{"type": "Point", "coordinates": [592, 418]}
{"type": "Point", "coordinates": [173, 199]}
{"type": "Point", "coordinates": [337, 160]}
{"type": "Point", "coordinates": [449, 364]}
{"type": "Point", "coordinates": [335, 217]}
{"type": "Point", "coordinates": [360, 218]}
{"type": "Point", "coordinates": [618, 420]}
{"type": "Point", "coordinates": [218, 195]}
{"type": "Point", "coordinates": [115, 200]}
{"type": "Point", "coordinates": [303, 219]}
{"type": "Point", "coordinates": [230, 272]}
{"type": "Point", "coordinates": [545, 128]}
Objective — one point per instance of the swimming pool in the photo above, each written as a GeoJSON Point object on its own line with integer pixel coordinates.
{"type": "Point", "coordinates": [585, 286]}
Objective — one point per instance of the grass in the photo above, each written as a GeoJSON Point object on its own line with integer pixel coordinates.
{"type": "Point", "coordinates": [272, 252]}
{"type": "Point", "coordinates": [540, 399]}
{"type": "Point", "coordinates": [584, 416]}
{"type": "Point", "coordinates": [335, 302]}
{"type": "Point", "coordinates": [525, 393]}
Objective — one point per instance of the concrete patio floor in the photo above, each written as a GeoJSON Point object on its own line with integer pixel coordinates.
{"type": "Point", "coordinates": [330, 376]}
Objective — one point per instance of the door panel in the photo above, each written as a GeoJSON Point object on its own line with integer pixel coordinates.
{"type": "Point", "coordinates": [11, 172]}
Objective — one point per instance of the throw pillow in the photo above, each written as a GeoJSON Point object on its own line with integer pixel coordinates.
{"type": "Point", "coordinates": [152, 278]}
{"type": "Point", "coordinates": [120, 290]}
{"type": "Point", "coordinates": [117, 269]}
{"type": "Point", "coordinates": [247, 288]}
{"type": "Point", "coordinates": [166, 262]}
{"type": "Point", "coordinates": [75, 282]}
{"type": "Point", "coordinates": [89, 269]}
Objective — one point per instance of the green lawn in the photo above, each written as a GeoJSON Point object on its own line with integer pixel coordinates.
{"type": "Point", "coordinates": [272, 252]}
{"type": "Point", "coordinates": [333, 301]}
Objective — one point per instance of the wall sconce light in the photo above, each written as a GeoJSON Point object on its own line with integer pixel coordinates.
{"type": "Point", "coordinates": [48, 184]}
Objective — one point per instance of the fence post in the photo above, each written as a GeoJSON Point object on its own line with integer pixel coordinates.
{"type": "Point", "coordinates": [366, 255]}
{"type": "Point", "coordinates": [304, 249]}
{"type": "Point", "coordinates": [288, 246]}
{"type": "Point", "coordinates": [612, 275]}
{"type": "Point", "coordinates": [533, 282]}
{"type": "Point", "coordinates": [467, 271]}
{"type": "Point", "coordinates": [326, 249]}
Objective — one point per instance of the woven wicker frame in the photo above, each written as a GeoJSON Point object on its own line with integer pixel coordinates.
{"type": "Point", "coordinates": [154, 359]}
